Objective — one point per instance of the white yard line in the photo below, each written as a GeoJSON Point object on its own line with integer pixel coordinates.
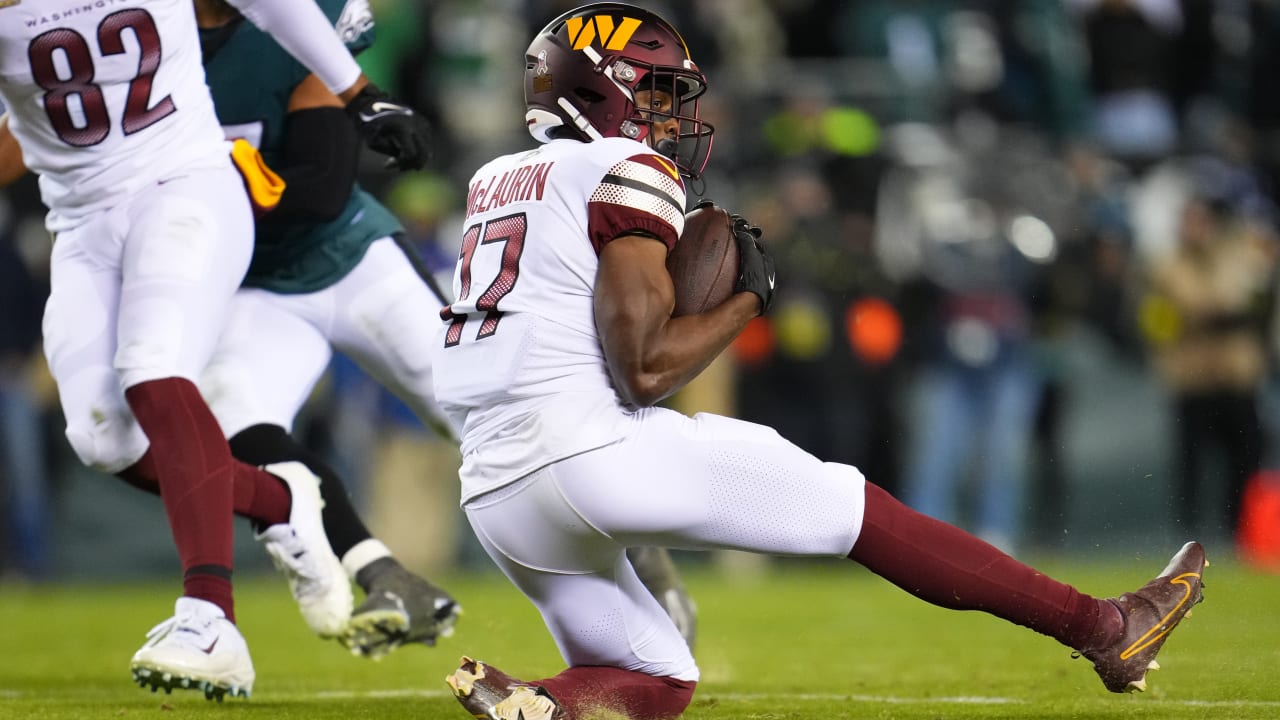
{"type": "Point", "coordinates": [813, 697]}
{"type": "Point", "coordinates": [15, 694]}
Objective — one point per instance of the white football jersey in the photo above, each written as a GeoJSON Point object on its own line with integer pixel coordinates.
{"type": "Point", "coordinates": [519, 364]}
{"type": "Point", "coordinates": [105, 97]}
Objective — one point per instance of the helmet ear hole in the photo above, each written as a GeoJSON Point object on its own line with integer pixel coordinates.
{"type": "Point", "coordinates": [588, 96]}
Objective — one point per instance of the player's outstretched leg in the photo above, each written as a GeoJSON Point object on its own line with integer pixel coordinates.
{"type": "Point", "coordinates": [1150, 613]}
{"type": "Point", "coordinates": [196, 649]}
{"type": "Point", "coordinates": [659, 574]}
{"type": "Point", "coordinates": [301, 550]}
{"type": "Point", "coordinates": [399, 608]}
{"type": "Point", "coordinates": [944, 565]}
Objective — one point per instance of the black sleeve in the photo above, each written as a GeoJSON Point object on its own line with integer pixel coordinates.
{"type": "Point", "coordinates": [319, 162]}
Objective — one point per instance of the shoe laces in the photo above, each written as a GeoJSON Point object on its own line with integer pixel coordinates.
{"type": "Point", "coordinates": [292, 556]}
{"type": "Point", "coordinates": [162, 629]}
{"type": "Point", "coordinates": [187, 629]}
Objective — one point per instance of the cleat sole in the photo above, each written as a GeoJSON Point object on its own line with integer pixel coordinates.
{"type": "Point", "coordinates": [156, 681]}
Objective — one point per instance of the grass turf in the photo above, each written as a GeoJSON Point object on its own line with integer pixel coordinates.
{"type": "Point", "coordinates": [802, 640]}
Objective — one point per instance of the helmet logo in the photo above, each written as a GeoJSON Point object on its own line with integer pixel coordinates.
{"type": "Point", "coordinates": [542, 74]}
{"type": "Point", "coordinates": [582, 32]}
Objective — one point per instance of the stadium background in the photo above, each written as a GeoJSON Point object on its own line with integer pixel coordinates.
{"type": "Point", "coordinates": [900, 155]}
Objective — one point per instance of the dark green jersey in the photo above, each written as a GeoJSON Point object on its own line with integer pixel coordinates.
{"type": "Point", "coordinates": [251, 78]}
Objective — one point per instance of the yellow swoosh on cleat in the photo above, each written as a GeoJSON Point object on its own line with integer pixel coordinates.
{"type": "Point", "coordinates": [1161, 628]}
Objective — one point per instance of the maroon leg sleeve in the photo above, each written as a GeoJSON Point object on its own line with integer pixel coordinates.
{"type": "Point", "coordinates": [142, 474]}
{"type": "Point", "coordinates": [580, 691]}
{"type": "Point", "coordinates": [193, 467]}
{"type": "Point", "coordinates": [261, 496]}
{"type": "Point", "coordinates": [946, 566]}
{"type": "Point", "coordinates": [258, 495]}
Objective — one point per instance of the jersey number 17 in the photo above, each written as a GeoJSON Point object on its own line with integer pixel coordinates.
{"type": "Point", "coordinates": [510, 231]}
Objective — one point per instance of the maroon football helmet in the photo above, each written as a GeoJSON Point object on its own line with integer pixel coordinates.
{"type": "Point", "coordinates": [583, 69]}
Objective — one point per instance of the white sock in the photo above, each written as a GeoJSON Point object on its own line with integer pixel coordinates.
{"type": "Point", "coordinates": [364, 552]}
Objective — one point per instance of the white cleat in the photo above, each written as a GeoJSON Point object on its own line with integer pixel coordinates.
{"type": "Point", "coordinates": [301, 550]}
{"type": "Point", "coordinates": [196, 649]}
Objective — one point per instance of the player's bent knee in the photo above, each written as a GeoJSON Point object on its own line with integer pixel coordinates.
{"type": "Point", "coordinates": [673, 700]}
{"type": "Point", "coordinates": [681, 690]}
{"type": "Point", "coordinates": [109, 446]}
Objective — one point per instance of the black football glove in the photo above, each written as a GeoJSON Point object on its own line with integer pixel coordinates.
{"type": "Point", "coordinates": [392, 128]}
{"type": "Point", "coordinates": [755, 268]}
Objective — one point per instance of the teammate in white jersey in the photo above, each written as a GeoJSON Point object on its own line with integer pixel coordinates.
{"type": "Point", "coordinates": [153, 234]}
{"type": "Point", "coordinates": [561, 341]}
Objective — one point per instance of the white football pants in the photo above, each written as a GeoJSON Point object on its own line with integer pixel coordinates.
{"type": "Point", "coordinates": [140, 292]}
{"type": "Point", "coordinates": [706, 482]}
{"type": "Point", "coordinates": [275, 347]}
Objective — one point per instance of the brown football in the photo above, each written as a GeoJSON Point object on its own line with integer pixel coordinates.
{"type": "Point", "coordinates": [704, 263]}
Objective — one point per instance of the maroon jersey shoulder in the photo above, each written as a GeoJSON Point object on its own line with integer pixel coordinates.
{"type": "Point", "coordinates": [641, 193]}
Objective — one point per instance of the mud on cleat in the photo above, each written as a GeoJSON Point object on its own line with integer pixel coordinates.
{"type": "Point", "coordinates": [1150, 613]}
{"type": "Point", "coordinates": [487, 692]}
{"type": "Point", "coordinates": [401, 608]}
{"type": "Point", "coordinates": [196, 649]}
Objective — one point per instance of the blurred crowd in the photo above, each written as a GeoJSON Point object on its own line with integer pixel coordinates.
{"type": "Point", "coordinates": [956, 192]}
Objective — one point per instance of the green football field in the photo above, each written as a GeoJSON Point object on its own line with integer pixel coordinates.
{"type": "Point", "coordinates": [800, 640]}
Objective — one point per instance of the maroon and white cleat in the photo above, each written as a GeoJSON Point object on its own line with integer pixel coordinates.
{"type": "Point", "coordinates": [490, 694]}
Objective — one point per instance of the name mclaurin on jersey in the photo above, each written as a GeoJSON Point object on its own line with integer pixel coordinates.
{"type": "Point", "coordinates": [514, 186]}
{"type": "Point", "coordinates": [77, 9]}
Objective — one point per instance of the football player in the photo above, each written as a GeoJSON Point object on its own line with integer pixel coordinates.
{"type": "Point", "coordinates": [558, 345]}
{"type": "Point", "coordinates": [328, 271]}
{"type": "Point", "coordinates": [154, 231]}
